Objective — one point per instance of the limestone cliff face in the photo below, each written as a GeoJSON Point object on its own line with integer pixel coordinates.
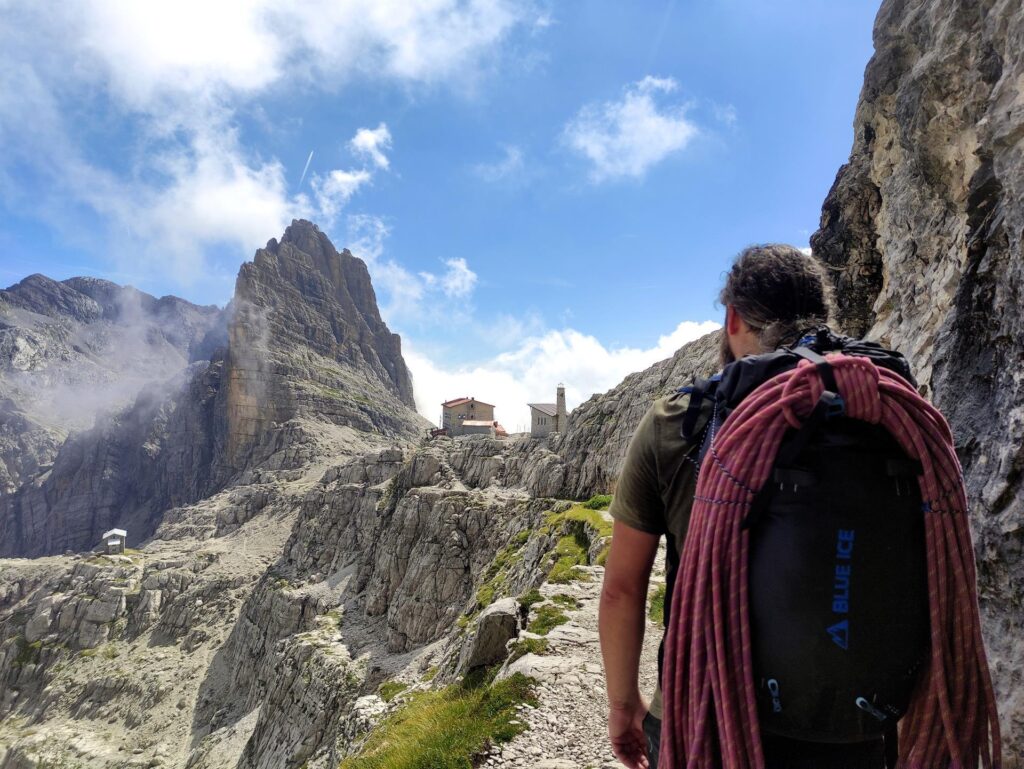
{"type": "Point", "coordinates": [126, 471]}
{"type": "Point", "coordinates": [306, 338]}
{"type": "Point", "coordinates": [72, 349]}
{"type": "Point", "coordinates": [924, 226]}
{"type": "Point", "coordinates": [303, 368]}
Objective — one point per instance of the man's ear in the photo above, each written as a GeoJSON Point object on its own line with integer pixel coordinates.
{"type": "Point", "coordinates": [732, 320]}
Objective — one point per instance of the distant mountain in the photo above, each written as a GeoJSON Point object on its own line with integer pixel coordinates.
{"type": "Point", "coordinates": [300, 364]}
{"type": "Point", "coordinates": [71, 349]}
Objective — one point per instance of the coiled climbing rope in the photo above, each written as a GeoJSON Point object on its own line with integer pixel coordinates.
{"type": "Point", "coordinates": [710, 715]}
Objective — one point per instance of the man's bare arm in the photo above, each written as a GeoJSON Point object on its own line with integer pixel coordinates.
{"type": "Point", "coordinates": [621, 625]}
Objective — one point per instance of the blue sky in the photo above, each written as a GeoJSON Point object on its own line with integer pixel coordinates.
{"type": "Point", "coordinates": [543, 191]}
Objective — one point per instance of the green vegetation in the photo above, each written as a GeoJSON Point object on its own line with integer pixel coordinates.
{"type": "Point", "coordinates": [548, 617]}
{"type": "Point", "coordinates": [591, 517]}
{"type": "Point", "coordinates": [520, 538]}
{"type": "Point", "coordinates": [570, 552]}
{"type": "Point", "coordinates": [528, 599]}
{"type": "Point", "coordinates": [430, 674]}
{"type": "Point", "coordinates": [657, 607]}
{"type": "Point", "coordinates": [322, 389]}
{"type": "Point", "coordinates": [493, 581]}
{"type": "Point", "coordinates": [448, 728]}
{"type": "Point", "coordinates": [579, 525]}
{"type": "Point", "coordinates": [598, 502]}
{"type": "Point", "coordinates": [566, 600]}
{"type": "Point", "coordinates": [28, 653]}
{"type": "Point", "coordinates": [391, 689]}
{"type": "Point", "coordinates": [526, 646]}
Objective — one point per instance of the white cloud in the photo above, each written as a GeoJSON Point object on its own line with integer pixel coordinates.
{"type": "Point", "coordinates": [336, 189]}
{"type": "Point", "coordinates": [806, 250]}
{"type": "Point", "coordinates": [408, 298]}
{"type": "Point", "coordinates": [458, 280]}
{"type": "Point", "coordinates": [372, 144]}
{"type": "Point", "coordinates": [174, 77]}
{"type": "Point", "coordinates": [626, 138]}
{"type": "Point", "coordinates": [509, 165]}
{"type": "Point", "coordinates": [529, 372]}
{"type": "Point", "coordinates": [148, 51]}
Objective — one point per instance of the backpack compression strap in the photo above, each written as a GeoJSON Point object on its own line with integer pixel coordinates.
{"type": "Point", "coordinates": [709, 692]}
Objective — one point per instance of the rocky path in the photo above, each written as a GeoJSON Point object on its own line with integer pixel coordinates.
{"type": "Point", "coordinates": [568, 728]}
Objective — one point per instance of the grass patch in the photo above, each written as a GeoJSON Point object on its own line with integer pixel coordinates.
{"type": "Point", "coordinates": [448, 728]}
{"type": "Point", "coordinates": [566, 600]}
{"type": "Point", "coordinates": [526, 646]}
{"type": "Point", "coordinates": [589, 516]}
{"type": "Point", "coordinates": [548, 618]}
{"type": "Point", "coordinates": [598, 502]}
{"type": "Point", "coordinates": [493, 581]}
{"type": "Point", "coordinates": [570, 552]}
{"type": "Point", "coordinates": [580, 526]}
{"type": "Point", "coordinates": [528, 599]}
{"type": "Point", "coordinates": [391, 689]}
{"type": "Point", "coordinates": [430, 674]}
{"type": "Point", "coordinates": [657, 606]}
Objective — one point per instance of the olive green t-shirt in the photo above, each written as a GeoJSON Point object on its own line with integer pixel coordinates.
{"type": "Point", "coordinates": [655, 490]}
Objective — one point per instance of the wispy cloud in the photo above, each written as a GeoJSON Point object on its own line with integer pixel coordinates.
{"type": "Point", "coordinates": [626, 138]}
{"type": "Point", "coordinates": [725, 114]}
{"type": "Point", "coordinates": [510, 165]}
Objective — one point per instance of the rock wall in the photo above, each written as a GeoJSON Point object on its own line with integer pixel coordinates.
{"type": "Point", "coordinates": [73, 349]}
{"type": "Point", "coordinates": [126, 471]}
{"type": "Point", "coordinates": [924, 226]}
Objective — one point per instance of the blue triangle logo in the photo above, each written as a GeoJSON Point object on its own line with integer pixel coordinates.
{"type": "Point", "coordinates": [840, 633]}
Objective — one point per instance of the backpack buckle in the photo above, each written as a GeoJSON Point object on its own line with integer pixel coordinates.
{"type": "Point", "coordinates": [834, 404]}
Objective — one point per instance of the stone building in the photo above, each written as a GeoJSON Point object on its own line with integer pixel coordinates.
{"type": "Point", "coordinates": [547, 418]}
{"type": "Point", "coordinates": [114, 540]}
{"type": "Point", "coordinates": [456, 413]}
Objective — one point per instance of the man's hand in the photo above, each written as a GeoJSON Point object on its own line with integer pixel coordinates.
{"type": "Point", "coordinates": [626, 731]}
{"type": "Point", "coordinates": [621, 624]}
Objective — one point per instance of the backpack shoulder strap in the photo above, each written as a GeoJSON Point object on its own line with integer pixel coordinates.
{"type": "Point", "coordinates": [699, 391]}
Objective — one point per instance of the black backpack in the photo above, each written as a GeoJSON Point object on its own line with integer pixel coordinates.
{"type": "Point", "coordinates": [837, 572]}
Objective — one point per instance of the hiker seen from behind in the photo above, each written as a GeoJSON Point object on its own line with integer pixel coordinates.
{"type": "Point", "coordinates": [798, 492]}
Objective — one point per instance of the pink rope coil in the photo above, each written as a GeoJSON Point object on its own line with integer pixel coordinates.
{"type": "Point", "coordinates": [710, 715]}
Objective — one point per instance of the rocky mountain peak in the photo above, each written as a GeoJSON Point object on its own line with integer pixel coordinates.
{"type": "Point", "coordinates": [45, 296]}
{"type": "Point", "coordinates": [304, 286]}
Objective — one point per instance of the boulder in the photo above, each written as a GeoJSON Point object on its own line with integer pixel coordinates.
{"type": "Point", "coordinates": [496, 626]}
